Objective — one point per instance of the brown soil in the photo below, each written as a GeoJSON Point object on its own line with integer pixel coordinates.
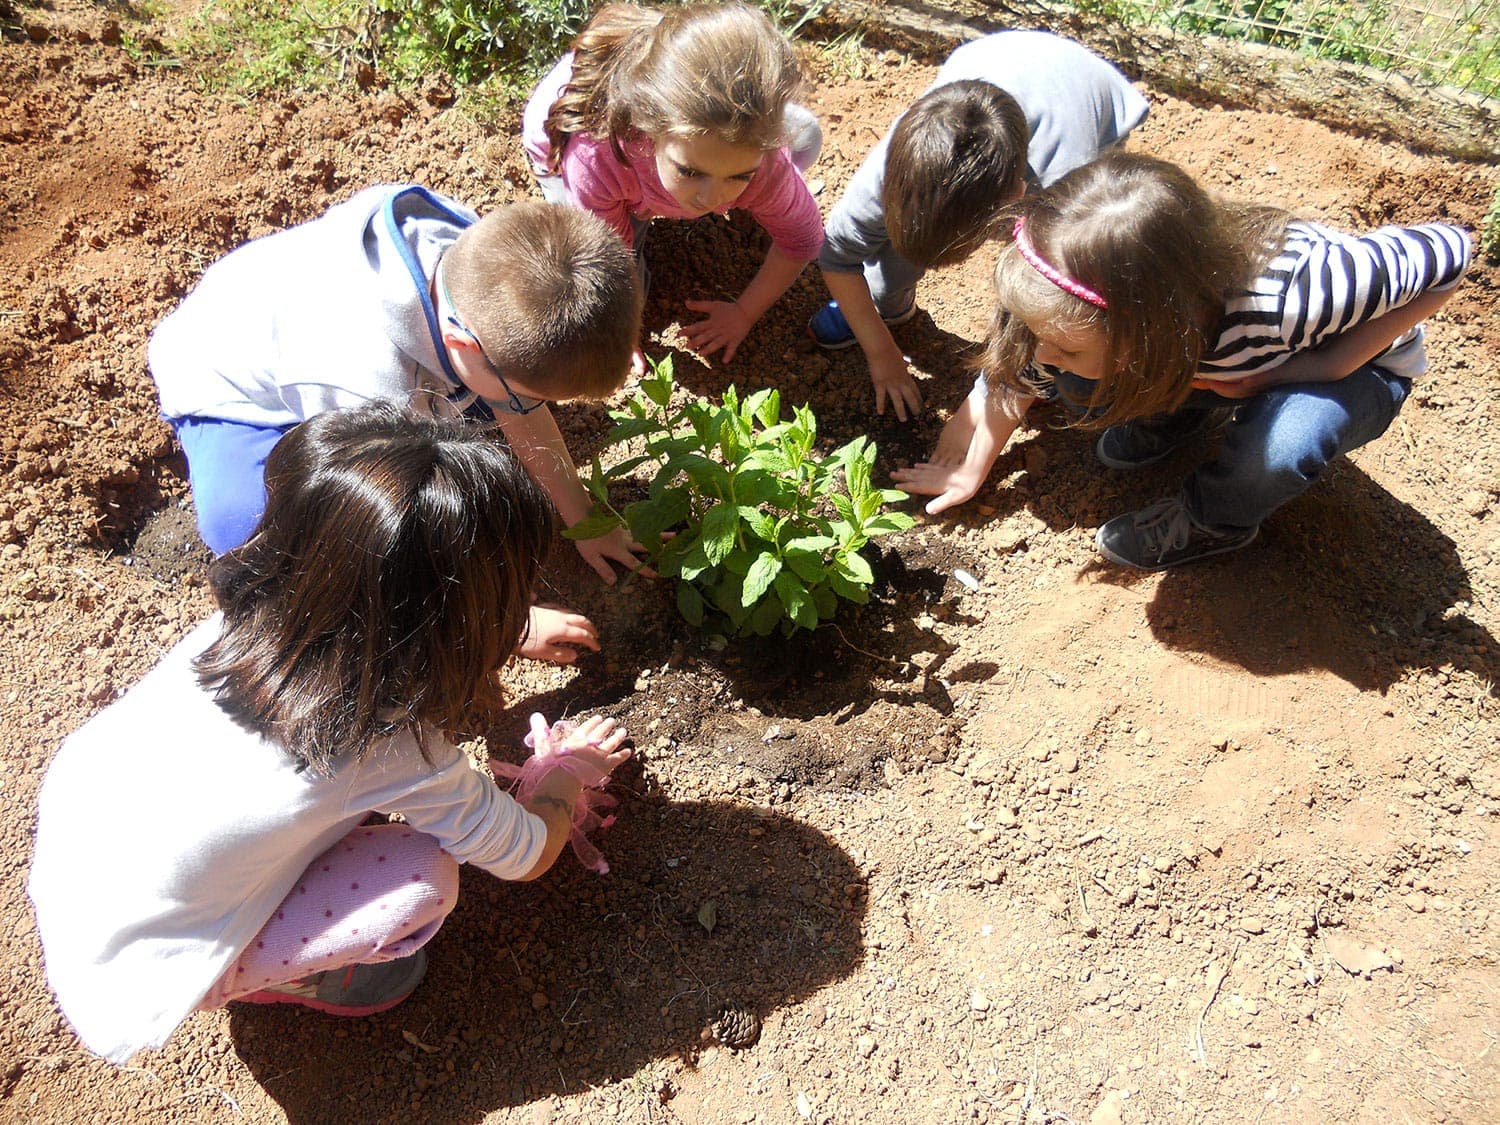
{"type": "Point", "coordinates": [1078, 845]}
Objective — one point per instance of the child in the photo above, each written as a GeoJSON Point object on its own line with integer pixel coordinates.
{"type": "Point", "coordinates": [402, 293]}
{"type": "Point", "coordinates": [675, 113]}
{"type": "Point", "coordinates": [388, 579]}
{"type": "Point", "coordinates": [1012, 111]}
{"type": "Point", "coordinates": [1131, 293]}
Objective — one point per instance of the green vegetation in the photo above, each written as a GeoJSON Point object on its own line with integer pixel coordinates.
{"type": "Point", "coordinates": [1489, 233]}
{"type": "Point", "coordinates": [741, 509]}
{"type": "Point", "coordinates": [1457, 44]}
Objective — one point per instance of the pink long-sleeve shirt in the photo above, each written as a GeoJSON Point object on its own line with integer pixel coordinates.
{"type": "Point", "coordinates": [597, 181]}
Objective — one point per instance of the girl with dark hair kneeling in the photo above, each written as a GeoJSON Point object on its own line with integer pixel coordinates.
{"type": "Point", "coordinates": [388, 580]}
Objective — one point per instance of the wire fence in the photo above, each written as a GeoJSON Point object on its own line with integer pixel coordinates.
{"type": "Point", "coordinates": [1454, 43]}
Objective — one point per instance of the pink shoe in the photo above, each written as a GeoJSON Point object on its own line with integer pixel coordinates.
{"type": "Point", "coordinates": [354, 990]}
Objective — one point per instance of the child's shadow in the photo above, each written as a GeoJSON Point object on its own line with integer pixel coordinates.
{"type": "Point", "coordinates": [548, 988]}
{"type": "Point", "coordinates": [1346, 577]}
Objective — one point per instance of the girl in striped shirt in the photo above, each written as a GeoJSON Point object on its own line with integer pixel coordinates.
{"type": "Point", "coordinates": [1159, 314]}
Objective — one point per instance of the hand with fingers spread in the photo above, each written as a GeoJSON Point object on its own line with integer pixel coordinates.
{"type": "Point", "coordinates": [562, 783]}
{"type": "Point", "coordinates": [723, 326]}
{"type": "Point", "coordinates": [614, 547]}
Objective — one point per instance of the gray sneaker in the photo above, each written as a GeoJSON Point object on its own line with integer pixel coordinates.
{"type": "Point", "coordinates": [1163, 535]}
{"type": "Point", "coordinates": [1145, 441]}
{"type": "Point", "coordinates": [354, 990]}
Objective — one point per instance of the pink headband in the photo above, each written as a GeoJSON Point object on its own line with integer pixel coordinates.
{"type": "Point", "coordinates": [1049, 271]}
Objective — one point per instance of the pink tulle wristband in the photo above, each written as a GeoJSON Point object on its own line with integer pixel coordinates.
{"type": "Point", "coordinates": [549, 752]}
{"type": "Point", "coordinates": [1049, 271]}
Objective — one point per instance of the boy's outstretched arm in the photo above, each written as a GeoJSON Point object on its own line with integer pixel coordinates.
{"type": "Point", "coordinates": [728, 322]}
{"type": "Point", "coordinates": [971, 441]}
{"type": "Point", "coordinates": [540, 447]}
{"type": "Point", "coordinates": [888, 368]}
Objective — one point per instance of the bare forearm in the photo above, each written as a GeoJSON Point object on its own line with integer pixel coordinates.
{"type": "Point", "coordinates": [553, 801]}
{"type": "Point", "coordinates": [853, 295]}
{"type": "Point", "coordinates": [539, 445]}
{"type": "Point", "coordinates": [774, 278]}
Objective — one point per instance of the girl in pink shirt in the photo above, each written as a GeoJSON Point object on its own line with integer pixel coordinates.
{"type": "Point", "coordinates": [675, 113]}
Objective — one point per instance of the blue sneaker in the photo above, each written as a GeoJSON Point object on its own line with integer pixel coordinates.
{"type": "Point", "coordinates": [831, 331]}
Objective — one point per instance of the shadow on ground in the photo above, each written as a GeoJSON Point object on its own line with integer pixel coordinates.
{"type": "Point", "coordinates": [548, 988]}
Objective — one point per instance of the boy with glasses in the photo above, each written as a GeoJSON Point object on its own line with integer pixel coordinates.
{"type": "Point", "coordinates": [401, 293]}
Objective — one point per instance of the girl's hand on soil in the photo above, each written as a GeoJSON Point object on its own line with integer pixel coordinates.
{"type": "Point", "coordinates": [893, 382]}
{"type": "Point", "coordinates": [556, 635]}
{"type": "Point", "coordinates": [958, 434]}
{"type": "Point", "coordinates": [951, 484]}
{"type": "Point", "coordinates": [724, 326]}
{"type": "Point", "coordinates": [615, 547]}
{"type": "Point", "coordinates": [599, 741]}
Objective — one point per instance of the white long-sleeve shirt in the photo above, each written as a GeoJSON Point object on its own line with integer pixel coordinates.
{"type": "Point", "coordinates": [168, 835]}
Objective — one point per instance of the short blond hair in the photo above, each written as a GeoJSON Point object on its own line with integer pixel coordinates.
{"type": "Point", "coordinates": [552, 295]}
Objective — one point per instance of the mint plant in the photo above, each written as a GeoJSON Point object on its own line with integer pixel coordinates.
{"type": "Point", "coordinates": [741, 510]}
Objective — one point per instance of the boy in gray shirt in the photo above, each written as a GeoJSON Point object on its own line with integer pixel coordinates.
{"type": "Point", "coordinates": [1008, 112]}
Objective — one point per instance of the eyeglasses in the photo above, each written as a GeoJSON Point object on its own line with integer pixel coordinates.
{"type": "Point", "coordinates": [516, 403]}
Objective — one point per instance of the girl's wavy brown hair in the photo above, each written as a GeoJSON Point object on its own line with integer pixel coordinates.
{"type": "Point", "coordinates": [1165, 256]}
{"type": "Point", "coordinates": [699, 69]}
{"type": "Point", "coordinates": [386, 584]}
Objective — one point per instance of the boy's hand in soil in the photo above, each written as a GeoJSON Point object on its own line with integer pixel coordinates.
{"type": "Point", "coordinates": [556, 635]}
{"type": "Point", "coordinates": [893, 382]}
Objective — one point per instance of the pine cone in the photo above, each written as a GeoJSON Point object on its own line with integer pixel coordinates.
{"type": "Point", "coordinates": [736, 1026]}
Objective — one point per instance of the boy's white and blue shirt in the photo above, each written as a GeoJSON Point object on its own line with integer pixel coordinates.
{"type": "Point", "coordinates": [325, 315]}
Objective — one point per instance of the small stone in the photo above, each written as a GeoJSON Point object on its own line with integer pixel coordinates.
{"type": "Point", "coordinates": [979, 1002]}
{"type": "Point", "coordinates": [539, 1000]}
{"type": "Point", "coordinates": [865, 1046]}
{"type": "Point", "coordinates": [1253, 924]}
{"type": "Point", "coordinates": [1067, 762]}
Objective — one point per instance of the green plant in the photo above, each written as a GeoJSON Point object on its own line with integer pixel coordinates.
{"type": "Point", "coordinates": [1489, 232]}
{"type": "Point", "coordinates": [742, 510]}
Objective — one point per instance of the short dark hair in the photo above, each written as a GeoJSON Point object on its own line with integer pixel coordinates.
{"type": "Point", "coordinates": [553, 296]}
{"type": "Point", "coordinates": [955, 159]}
{"type": "Point", "coordinates": [388, 580]}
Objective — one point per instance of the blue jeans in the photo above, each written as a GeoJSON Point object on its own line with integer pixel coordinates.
{"type": "Point", "coordinates": [227, 471]}
{"type": "Point", "coordinates": [1278, 443]}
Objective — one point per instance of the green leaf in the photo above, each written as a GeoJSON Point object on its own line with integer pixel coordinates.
{"type": "Point", "coordinates": [627, 466]}
{"type": "Point", "coordinates": [817, 543]}
{"type": "Point", "coordinates": [629, 428]}
{"type": "Point", "coordinates": [844, 508]}
{"type": "Point", "coordinates": [592, 527]}
{"type": "Point", "coordinates": [854, 567]}
{"type": "Point", "coordinates": [763, 571]}
{"type": "Point", "coordinates": [771, 460]}
{"type": "Point", "coordinates": [807, 565]}
{"type": "Point", "coordinates": [719, 528]}
{"type": "Point", "coordinates": [708, 916]}
{"type": "Point", "coordinates": [893, 495]}
{"type": "Point", "coordinates": [761, 524]}
{"type": "Point", "coordinates": [658, 388]}
{"type": "Point", "coordinates": [694, 563]}
{"type": "Point", "coordinates": [887, 522]}
{"type": "Point", "coordinates": [848, 590]}
{"type": "Point", "coordinates": [661, 513]}
{"type": "Point", "coordinates": [690, 603]}
{"type": "Point", "coordinates": [765, 617]}
{"type": "Point", "coordinates": [764, 406]}
{"type": "Point", "coordinates": [826, 602]}
{"type": "Point", "coordinates": [739, 560]}
{"type": "Point", "coordinates": [595, 482]}
{"type": "Point", "coordinates": [796, 599]}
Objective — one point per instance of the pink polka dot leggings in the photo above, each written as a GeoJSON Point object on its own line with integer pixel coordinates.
{"type": "Point", "coordinates": [378, 894]}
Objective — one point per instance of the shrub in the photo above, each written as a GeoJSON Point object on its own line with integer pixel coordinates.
{"type": "Point", "coordinates": [741, 510]}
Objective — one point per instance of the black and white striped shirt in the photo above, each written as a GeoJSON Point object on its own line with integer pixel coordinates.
{"type": "Point", "coordinates": [1325, 282]}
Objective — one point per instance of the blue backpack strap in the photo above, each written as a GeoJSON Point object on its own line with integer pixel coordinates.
{"type": "Point", "coordinates": [420, 279]}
